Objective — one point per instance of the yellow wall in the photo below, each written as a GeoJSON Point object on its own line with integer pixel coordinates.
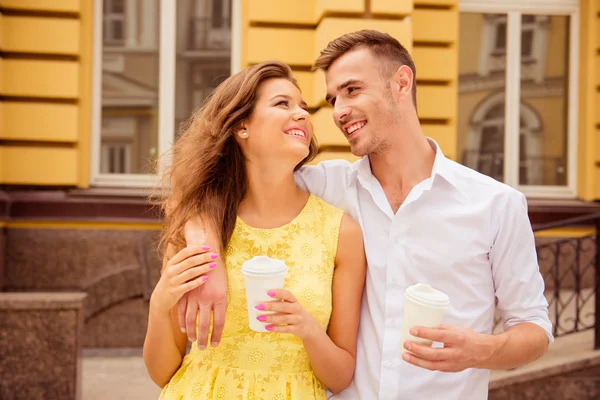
{"type": "Point", "coordinates": [430, 34]}
{"type": "Point", "coordinates": [46, 76]}
{"type": "Point", "coordinates": [45, 80]}
{"type": "Point", "coordinates": [588, 155]}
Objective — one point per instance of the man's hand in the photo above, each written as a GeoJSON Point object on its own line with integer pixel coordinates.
{"type": "Point", "coordinates": [463, 348]}
{"type": "Point", "coordinates": [211, 298]}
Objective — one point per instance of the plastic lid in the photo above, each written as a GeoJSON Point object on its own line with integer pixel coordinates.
{"type": "Point", "coordinates": [425, 294]}
{"type": "Point", "coordinates": [263, 265]}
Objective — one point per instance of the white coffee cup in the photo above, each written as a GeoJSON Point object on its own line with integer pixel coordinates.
{"type": "Point", "coordinates": [261, 274]}
{"type": "Point", "coordinates": [423, 306]}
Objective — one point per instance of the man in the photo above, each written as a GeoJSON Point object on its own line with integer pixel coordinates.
{"type": "Point", "coordinates": [425, 219]}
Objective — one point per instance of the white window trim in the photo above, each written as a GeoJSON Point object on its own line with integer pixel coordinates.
{"type": "Point", "coordinates": [514, 9]}
{"type": "Point", "coordinates": [166, 87]}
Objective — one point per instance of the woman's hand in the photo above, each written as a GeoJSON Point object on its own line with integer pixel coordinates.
{"type": "Point", "coordinates": [184, 271]}
{"type": "Point", "coordinates": [289, 317]}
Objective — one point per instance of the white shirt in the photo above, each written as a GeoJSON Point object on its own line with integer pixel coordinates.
{"type": "Point", "coordinates": [461, 232]}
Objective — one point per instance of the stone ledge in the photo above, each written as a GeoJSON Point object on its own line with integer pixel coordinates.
{"type": "Point", "coordinates": [567, 354]}
{"type": "Point", "coordinates": [41, 300]}
{"type": "Point", "coordinates": [40, 345]}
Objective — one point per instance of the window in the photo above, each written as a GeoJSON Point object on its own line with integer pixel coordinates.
{"type": "Point", "coordinates": [156, 62]}
{"type": "Point", "coordinates": [114, 22]}
{"type": "Point", "coordinates": [217, 14]}
{"type": "Point", "coordinates": [116, 158]}
{"type": "Point", "coordinates": [211, 26]}
{"type": "Point", "coordinates": [517, 105]}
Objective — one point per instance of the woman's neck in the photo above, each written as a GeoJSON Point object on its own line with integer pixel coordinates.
{"type": "Point", "coordinates": [272, 199]}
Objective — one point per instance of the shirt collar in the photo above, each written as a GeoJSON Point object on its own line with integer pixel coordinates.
{"type": "Point", "coordinates": [441, 167]}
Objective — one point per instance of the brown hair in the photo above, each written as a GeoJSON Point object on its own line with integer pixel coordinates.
{"type": "Point", "coordinates": [208, 175]}
{"type": "Point", "coordinates": [381, 44]}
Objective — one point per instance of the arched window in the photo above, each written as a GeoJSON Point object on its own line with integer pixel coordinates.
{"type": "Point", "coordinates": [484, 150]}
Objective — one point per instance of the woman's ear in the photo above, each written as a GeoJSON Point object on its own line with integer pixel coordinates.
{"type": "Point", "coordinates": [242, 133]}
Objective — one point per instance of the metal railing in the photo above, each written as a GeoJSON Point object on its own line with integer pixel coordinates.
{"type": "Point", "coordinates": [210, 34]}
{"type": "Point", "coordinates": [571, 271]}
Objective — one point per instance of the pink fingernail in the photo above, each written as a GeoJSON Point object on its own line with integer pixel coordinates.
{"type": "Point", "coordinates": [213, 256]}
{"type": "Point", "coordinates": [205, 248]}
{"type": "Point", "coordinates": [201, 347]}
{"type": "Point", "coordinates": [212, 265]}
{"type": "Point", "coordinates": [205, 278]}
{"type": "Point", "coordinates": [269, 327]}
{"type": "Point", "coordinates": [260, 307]}
{"type": "Point", "coordinates": [261, 318]}
{"type": "Point", "coordinates": [272, 293]}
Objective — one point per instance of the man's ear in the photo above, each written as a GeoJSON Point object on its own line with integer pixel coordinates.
{"type": "Point", "coordinates": [403, 80]}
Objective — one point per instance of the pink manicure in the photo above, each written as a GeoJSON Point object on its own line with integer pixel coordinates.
{"type": "Point", "coordinates": [205, 248]}
{"type": "Point", "coordinates": [204, 278]}
{"type": "Point", "coordinates": [260, 307]}
{"type": "Point", "coordinates": [269, 327]}
{"type": "Point", "coordinates": [261, 318]}
{"type": "Point", "coordinates": [213, 256]}
{"type": "Point", "coordinates": [272, 293]}
{"type": "Point", "coordinates": [212, 265]}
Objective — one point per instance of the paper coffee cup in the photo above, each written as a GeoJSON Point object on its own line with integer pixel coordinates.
{"type": "Point", "coordinates": [424, 306]}
{"type": "Point", "coordinates": [261, 274]}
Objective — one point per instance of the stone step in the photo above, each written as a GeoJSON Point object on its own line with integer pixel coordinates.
{"type": "Point", "coordinates": [569, 370]}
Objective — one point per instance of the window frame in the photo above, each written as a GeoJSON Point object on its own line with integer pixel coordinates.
{"type": "Point", "coordinates": [166, 88]}
{"type": "Point", "coordinates": [513, 10]}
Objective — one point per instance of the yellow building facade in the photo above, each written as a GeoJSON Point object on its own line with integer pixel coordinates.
{"type": "Point", "coordinates": [51, 82]}
{"type": "Point", "coordinates": [93, 92]}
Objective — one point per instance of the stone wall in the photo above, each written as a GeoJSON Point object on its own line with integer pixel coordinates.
{"type": "Point", "coordinates": [116, 268]}
{"type": "Point", "coordinates": [40, 345]}
{"type": "Point", "coordinates": [580, 384]}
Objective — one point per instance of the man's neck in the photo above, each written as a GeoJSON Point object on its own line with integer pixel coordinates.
{"type": "Point", "coordinates": [407, 162]}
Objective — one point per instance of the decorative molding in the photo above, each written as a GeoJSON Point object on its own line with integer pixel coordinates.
{"type": "Point", "coordinates": [529, 6]}
{"type": "Point", "coordinates": [553, 87]}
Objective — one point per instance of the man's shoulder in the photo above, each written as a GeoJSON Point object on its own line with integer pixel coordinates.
{"type": "Point", "coordinates": [333, 168]}
{"type": "Point", "coordinates": [483, 189]}
{"type": "Point", "coordinates": [468, 178]}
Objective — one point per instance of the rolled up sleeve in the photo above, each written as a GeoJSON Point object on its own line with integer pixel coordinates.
{"type": "Point", "coordinates": [518, 283]}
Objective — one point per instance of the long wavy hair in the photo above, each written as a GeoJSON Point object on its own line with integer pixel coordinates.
{"type": "Point", "coordinates": [208, 174]}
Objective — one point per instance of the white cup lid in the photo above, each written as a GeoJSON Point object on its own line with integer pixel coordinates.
{"type": "Point", "coordinates": [425, 294]}
{"type": "Point", "coordinates": [263, 265]}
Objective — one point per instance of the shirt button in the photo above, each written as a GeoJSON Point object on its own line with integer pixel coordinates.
{"type": "Point", "coordinates": [388, 364]}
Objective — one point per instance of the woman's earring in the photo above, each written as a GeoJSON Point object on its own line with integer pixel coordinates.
{"type": "Point", "coordinates": [244, 134]}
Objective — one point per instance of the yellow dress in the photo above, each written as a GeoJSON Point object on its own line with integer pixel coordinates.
{"type": "Point", "coordinates": [270, 366]}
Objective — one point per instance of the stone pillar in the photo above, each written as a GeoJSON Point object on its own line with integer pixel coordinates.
{"type": "Point", "coordinates": [40, 345]}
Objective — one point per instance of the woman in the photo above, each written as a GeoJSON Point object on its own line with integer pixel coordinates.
{"type": "Point", "coordinates": [236, 162]}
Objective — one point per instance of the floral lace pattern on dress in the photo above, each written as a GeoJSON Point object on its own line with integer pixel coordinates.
{"type": "Point", "coordinates": [271, 366]}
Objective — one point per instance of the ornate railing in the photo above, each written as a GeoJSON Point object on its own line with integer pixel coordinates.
{"type": "Point", "coordinates": [571, 271]}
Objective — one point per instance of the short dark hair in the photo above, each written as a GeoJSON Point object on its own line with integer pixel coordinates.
{"type": "Point", "coordinates": [381, 44]}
